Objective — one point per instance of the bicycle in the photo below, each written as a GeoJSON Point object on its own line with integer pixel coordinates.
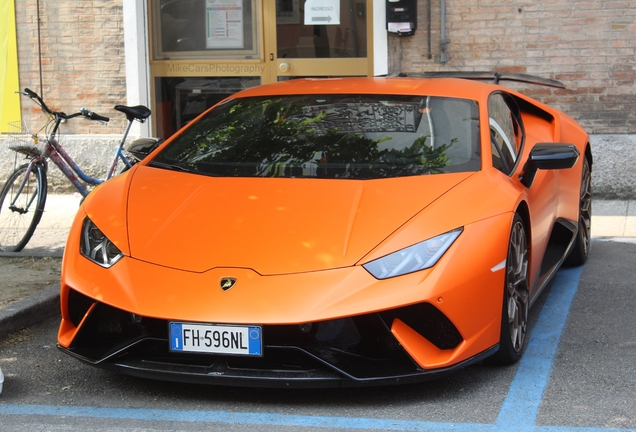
{"type": "Point", "coordinates": [23, 196]}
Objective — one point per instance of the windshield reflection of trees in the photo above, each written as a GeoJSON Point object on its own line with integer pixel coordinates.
{"type": "Point", "coordinates": [274, 138]}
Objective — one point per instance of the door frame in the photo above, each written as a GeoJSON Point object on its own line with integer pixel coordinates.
{"type": "Point", "coordinates": [316, 67]}
{"type": "Point", "coordinates": [140, 80]}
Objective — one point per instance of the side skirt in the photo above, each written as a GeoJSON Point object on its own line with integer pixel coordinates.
{"type": "Point", "coordinates": [561, 241]}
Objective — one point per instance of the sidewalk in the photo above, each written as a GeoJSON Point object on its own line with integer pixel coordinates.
{"type": "Point", "coordinates": [49, 238]}
{"type": "Point", "coordinates": [611, 220]}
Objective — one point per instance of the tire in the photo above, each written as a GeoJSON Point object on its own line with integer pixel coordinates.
{"type": "Point", "coordinates": [581, 248]}
{"type": "Point", "coordinates": [514, 314]}
{"type": "Point", "coordinates": [18, 222]}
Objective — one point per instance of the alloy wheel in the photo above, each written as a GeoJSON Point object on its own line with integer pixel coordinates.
{"type": "Point", "coordinates": [517, 286]}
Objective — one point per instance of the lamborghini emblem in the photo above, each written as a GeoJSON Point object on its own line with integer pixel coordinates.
{"type": "Point", "coordinates": [227, 283]}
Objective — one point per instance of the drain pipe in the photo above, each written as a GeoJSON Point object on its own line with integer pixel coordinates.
{"type": "Point", "coordinates": [428, 18]}
{"type": "Point", "coordinates": [443, 42]}
{"type": "Point", "coordinates": [37, 7]}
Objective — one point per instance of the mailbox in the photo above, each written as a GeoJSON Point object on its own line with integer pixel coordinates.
{"type": "Point", "coordinates": [401, 17]}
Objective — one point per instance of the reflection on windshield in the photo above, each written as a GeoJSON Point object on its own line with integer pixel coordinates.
{"type": "Point", "coordinates": [331, 136]}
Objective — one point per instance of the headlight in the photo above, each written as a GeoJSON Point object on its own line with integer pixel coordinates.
{"type": "Point", "coordinates": [413, 258]}
{"type": "Point", "coordinates": [96, 247]}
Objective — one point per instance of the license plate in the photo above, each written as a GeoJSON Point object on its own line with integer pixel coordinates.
{"type": "Point", "coordinates": [215, 339]}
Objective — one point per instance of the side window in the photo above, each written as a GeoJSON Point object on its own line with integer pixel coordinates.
{"type": "Point", "coordinates": [505, 134]}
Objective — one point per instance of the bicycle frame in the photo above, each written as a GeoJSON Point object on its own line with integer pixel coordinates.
{"type": "Point", "coordinates": [119, 154]}
{"type": "Point", "coordinates": [72, 171]}
{"type": "Point", "coordinates": [53, 150]}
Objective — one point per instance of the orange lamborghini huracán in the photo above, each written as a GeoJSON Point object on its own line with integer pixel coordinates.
{"type": "Point", "coordinates": [330, 232]}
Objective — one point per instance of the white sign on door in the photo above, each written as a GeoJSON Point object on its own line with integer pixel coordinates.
{"type": "Point", "coordinates": [322, 12]}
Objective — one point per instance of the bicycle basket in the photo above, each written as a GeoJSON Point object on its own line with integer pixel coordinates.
{"type": "Point", "coordinates": [20, 139]}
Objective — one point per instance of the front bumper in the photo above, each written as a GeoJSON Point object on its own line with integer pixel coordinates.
{"type": "Point", "coordinates": [347, 352]}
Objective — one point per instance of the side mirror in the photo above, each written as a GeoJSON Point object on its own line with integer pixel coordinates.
{"type": "Point", "coordinates": [549, 156]}
{"type": "Point", "coordinates": [142, 147]}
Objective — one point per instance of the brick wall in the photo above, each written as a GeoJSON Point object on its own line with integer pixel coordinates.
{"type": "Point", "coordinates": [589, 45]}
{"type": "Point", "coordinates": [83, 64]}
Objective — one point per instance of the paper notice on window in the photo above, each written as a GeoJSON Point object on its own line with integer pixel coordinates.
{"type": "Point", "coordinates": [224, 24]}
{"type": "Point", "coordinates": [322, 12]}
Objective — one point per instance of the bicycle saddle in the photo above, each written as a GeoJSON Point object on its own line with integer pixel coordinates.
{"type": "Point", "coordinates": [138, 112]}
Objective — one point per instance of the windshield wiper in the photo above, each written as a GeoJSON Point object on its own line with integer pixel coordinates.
{"type": "Point", "coordinates": [173, 166]}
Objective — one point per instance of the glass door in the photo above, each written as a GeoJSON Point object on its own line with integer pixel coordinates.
{"type": "Point", "coordinates": [205, 50]}
{"type": "Point", "coordinates": [202, 52]}
{"type": "Point", "coordinates": [313, 38]}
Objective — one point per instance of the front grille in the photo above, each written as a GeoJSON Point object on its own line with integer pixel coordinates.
{"type": "Point", "coordinates": [360, 347]}
{"type": "Point", "coordinates": [107, 330]}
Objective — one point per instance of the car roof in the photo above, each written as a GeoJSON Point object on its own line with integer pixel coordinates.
{"type": "Point", "coordinates": [451, 87]}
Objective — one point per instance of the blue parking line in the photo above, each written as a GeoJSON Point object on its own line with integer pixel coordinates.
{"type": "Point", "coordinates": [279, 420]}
{"type": "Point", "coordinates": [526, 391]}
{"type": "Point", "coordinates": [518, 412]}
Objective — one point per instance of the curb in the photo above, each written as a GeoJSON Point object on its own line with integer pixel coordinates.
{"type": "Point", "coordinates": [41, 252]}
{"type": "Point", "coordinates": [29, 311]}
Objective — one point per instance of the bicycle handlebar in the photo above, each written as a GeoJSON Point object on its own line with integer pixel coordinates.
{"type": "Point", "coordinates": [33, 95]}
{"type": "Point", "coordinates": [83, 112]}
{"type": "Point", "coordinates": [94, 116]}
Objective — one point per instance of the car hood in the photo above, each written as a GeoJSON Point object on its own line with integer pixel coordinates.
{"type": "Point", "coordinates": [270, 225]}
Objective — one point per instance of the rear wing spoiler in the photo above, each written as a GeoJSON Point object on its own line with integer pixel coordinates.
{"type": "Point", "coordinates": [485, 76]}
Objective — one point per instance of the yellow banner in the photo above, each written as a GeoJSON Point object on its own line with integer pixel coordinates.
{"type": "Point", "coordinates": [9, 80]}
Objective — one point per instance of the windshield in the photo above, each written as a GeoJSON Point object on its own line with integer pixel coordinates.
{"type": "Point", "coordinates": [330, 136]}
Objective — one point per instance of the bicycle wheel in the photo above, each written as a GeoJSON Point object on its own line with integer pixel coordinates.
{"type": "Point", "coordinates": [21, 208]}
